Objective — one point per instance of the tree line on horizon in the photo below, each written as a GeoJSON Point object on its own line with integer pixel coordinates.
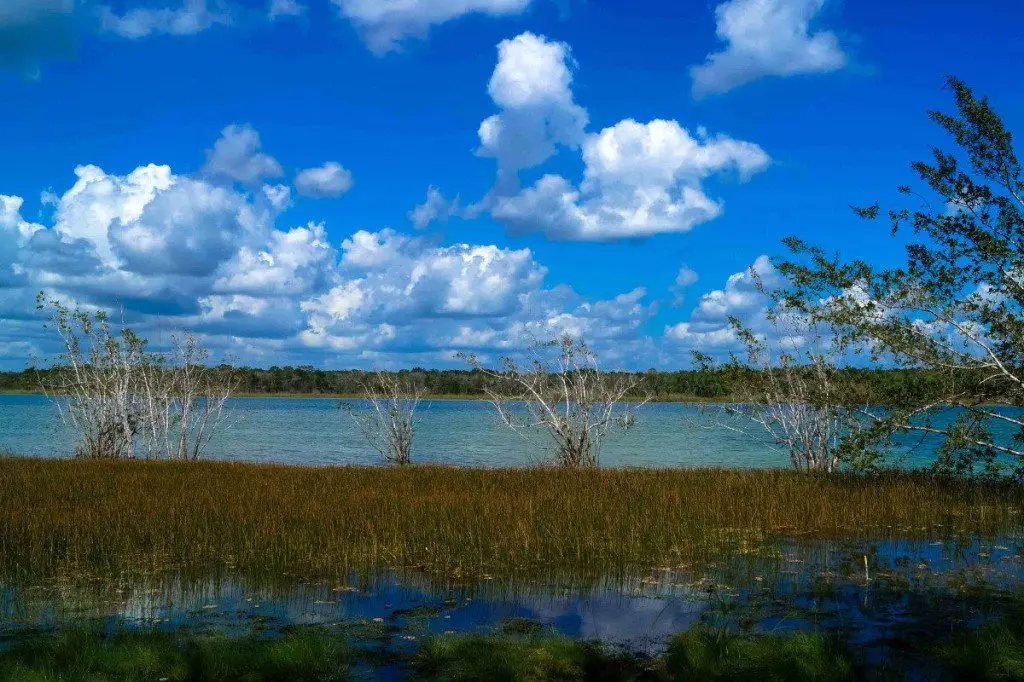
{"type": "Point", "coordinates": [878, 386]}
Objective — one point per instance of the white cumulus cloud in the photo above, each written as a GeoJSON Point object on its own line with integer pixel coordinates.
{"type": "Point", "coordinates": [766, 38]}
{"type": "Point", "coordinates": [743, 297]}
{"type": "Point", "coordinates": [174, 251]}
{"type": "Point", "coordinates": [328, 180]}
{"type": "Point", "coordinates": [531, 84]}
{"type": "Point", "coordinates": [236, 156]}
{"type": "Point", "coordinates": [639, 180]}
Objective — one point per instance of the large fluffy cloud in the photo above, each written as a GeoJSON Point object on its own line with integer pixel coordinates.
{"type": "Point", "coordinates": [396, 292]}
{"type": "Point", "coordinates": [639, 179]}
{"type": "Point", "coordinates": [207, 252]}
{"type": "Point", "coordinates": [400, 294]}
{"type": "Point", "coordinates": [386, 23]}
{"type": "Point", "coordinates": [766, 38]}
{"type": "Point", "coordinates": [159, 244]}
{"type": "Point", "coordinates": [531, 85]}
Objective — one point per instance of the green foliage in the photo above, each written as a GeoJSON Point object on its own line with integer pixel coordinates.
{"type": "Point", "coordinates": [530, 659]}
{"type": "Point", "coordinates": [956, 309]}
{"type": "Point", "coordinates": [994, 652]}
{"type": "Point", "coordinates": [710, 654]}
{"type": "Point", "coordinates": [304, 655]}
{"type": "Point", "coordinates": [863, 385]}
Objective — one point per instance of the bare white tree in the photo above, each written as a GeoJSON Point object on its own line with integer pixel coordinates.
{"type": "Point", "coordinates": [122, 400]}
{"type": "Point", "coordinates": [388, 422]}
{"type": "Point", "coordinates": [788, 388]}
{"type": "Point", "coordinates": [560, 389]}
{"type": "Point", "coordinates": [94, 390]}
{"type": "Point", "coordinates": [184, 400]}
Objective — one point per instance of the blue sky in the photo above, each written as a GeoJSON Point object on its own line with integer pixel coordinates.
{"type": "Point", "coordinates": [252, 170]}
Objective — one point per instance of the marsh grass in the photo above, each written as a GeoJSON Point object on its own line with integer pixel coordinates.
{"type": "Point", "coordinates": [83, 654]}
{"type": "Point", "coordinates": [710, 654]}
{"type": "Point", "coordinates": [536, 658]}
{"type": "Point", "coordinates": [995, 651]}
{"type": "Point", "coordinates": [702, 654]}
{"type": "Point", "coordinates": [61, 518]}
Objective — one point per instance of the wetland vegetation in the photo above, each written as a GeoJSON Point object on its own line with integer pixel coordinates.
{"type": "Point", "coordinates": [89, 518]}
{"type": "Point", "coordinates": [840, 567]}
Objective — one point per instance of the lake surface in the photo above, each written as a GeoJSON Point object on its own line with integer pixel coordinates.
{"type": "Point", "coordinates": [466, 433]}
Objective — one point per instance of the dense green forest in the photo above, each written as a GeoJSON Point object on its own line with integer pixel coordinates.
{"type": "Point", "coordinates": [877, 386]}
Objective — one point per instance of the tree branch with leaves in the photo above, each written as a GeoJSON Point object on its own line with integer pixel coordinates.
{"type": "Point", "coordinates": [956, 306]}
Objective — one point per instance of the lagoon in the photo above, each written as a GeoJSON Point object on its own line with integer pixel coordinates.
{"type": "Point", "coordinates": [313, 431]}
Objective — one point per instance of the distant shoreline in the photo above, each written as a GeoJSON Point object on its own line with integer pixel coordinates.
{"type": "Point", "coordinates": [678, 399]}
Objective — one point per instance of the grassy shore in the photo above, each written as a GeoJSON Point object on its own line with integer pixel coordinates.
{"type": "Point", "coordinates": [62, 518]}
{"type": "Point", "coordinates": [704, 654]}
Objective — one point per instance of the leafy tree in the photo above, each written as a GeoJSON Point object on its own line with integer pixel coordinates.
{"type": "Point", "coordinates": [955, 308]}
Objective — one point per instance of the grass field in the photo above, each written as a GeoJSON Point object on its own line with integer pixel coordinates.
{"type": "Point", "coordinates": [64, 518]}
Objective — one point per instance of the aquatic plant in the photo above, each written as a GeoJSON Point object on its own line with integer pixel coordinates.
{"type": "Point", "coordinates": [321, 653]}
{"type": "Point", "coordinates": [995, 651]}
{"type": "Point", "coordinates": [80, 518]}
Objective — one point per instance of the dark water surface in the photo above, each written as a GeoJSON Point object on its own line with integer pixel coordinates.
{"type": "Point", "coordinates": [909, 591]}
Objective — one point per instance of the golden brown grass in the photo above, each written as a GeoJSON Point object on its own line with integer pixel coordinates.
{"type": "Point", "coordinates": [81, 518]}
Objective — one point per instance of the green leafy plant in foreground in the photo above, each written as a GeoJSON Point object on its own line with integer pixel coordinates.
{"type": "Point", "coordinates": [300, 656]}
{"type": "Point", "coordinates": [995, 651]}
{"type": "Point", "coordinates": [709, 654]}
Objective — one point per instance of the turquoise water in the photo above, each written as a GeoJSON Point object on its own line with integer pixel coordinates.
{"type": "Point", "coordinates": [468, 433]}
{"type": "Point", "coordinates": [315, 431]}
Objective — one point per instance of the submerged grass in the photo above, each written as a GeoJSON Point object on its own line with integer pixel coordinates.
{"type": "Point", "coordinates": [91, 518]}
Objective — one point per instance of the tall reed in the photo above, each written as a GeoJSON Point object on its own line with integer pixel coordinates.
{"type": "Point", "coordinates": [82, 518]}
